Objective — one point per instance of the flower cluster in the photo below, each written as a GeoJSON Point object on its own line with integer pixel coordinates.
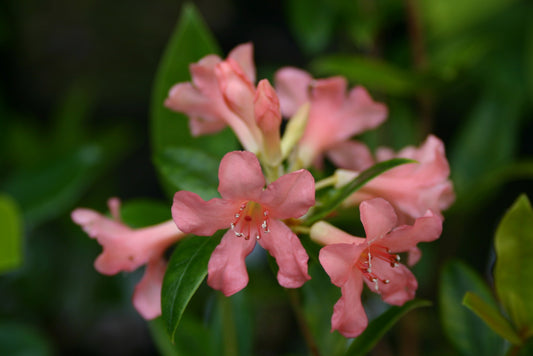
{"type": "Point", "coordinates": [267, 191]}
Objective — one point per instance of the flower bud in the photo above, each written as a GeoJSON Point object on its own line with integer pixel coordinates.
{"type": "Point", "coordinates": [268, 118]}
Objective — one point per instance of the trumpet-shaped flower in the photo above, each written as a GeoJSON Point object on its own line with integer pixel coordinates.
{"type": "Point", "coordinates": [333, 117]}
{"type": "Point", "coordinates": [126, 249]}
{"type": "Point", "coordinates": [351, 261]}
{"type": "Point", "coordinates": [411, 188]}
{"type": "Point", "coordinates": [253, 214]}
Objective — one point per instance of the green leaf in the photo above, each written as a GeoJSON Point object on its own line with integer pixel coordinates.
{"type": "Point", "coordinates": [372, 73]}
{"type": "Point", "coordinates": [379, 326]}
{"type": "Point", "coordinates": [337, 196]}
{"type": "Point", "coordinates": [513, 271]}
{"type": "Point", "coordinates": [17, 339]}
{"type": "Point", "coordinates": [469, 334]}
{"type": "Point", "coordinates": [190, 42]}
{"type": "Point", "coordinates": [186, 270]}
{"type": "Point", "coordinates": [11, 232]}
{"type": "Point", "coordinates": [491, 316]}
{"type": "Point", "coordinates": [312, 22]}
{"type": "Point", "coordinates": [144, 212]}
{"type": "Point", "coordinates": [192, 339]}
{"type": "Point", "coordinates": [190, 169]}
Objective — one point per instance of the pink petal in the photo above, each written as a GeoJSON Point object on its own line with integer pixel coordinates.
{"type": "Point", "coordinates": [352, 155]}
{"type": "Point", "coordinates": [289, 253]}
{"type": "Point", "coordinates": [349, 317]}
{"type": "Point", "coordinates": [290, 196]}
{"type": "Point", "coordinates": [194, 215]}
{"type": "Point", "coordinates": [378, 218]}
{"type": "Point", "coordinates": [240, 176]}
{"type": "Point", "coordinates": [292, 86]}
{"type": "Point", "coordinates": [369, 113]}
{"type": "Point", "coordinates": [405, 238]}
{"type": "Point", "coordinates": [147, 294]}
{"type": "Point", "coordinates": [338, 261]}
{"type": "Point", "coordinates": [243, 54]}
{"type": "Point", "coordinates": [402, 283]}
{"type": "Point", "coordinates": [226, 268]}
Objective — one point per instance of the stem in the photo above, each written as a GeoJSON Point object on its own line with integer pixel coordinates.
{"type": "Point", "coordinates": [228, 328]}
{"type": "Point", "coordinates": [294, 298]}
{"type": "Point", "coordinates": [326, 182]}
{"type": "Point", "coordinates": [301, 229]}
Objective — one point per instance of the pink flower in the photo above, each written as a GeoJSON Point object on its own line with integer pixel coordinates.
{"type": "Point", "coordinates": [349, 261]}
{"type": "Point", "coordinates": [333, 117]}
{"type": "Point", "coordinates": [126, 249]}
{"type": "Point", "coordinates": [252, 214]}
{"type": "Point", "coordinates": [411, 188]}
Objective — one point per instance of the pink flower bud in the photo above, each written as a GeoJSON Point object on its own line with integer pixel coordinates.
{"type": "Point", "coordinates": [268, 118]}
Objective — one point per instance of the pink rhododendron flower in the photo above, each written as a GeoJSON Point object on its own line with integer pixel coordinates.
{"type": "Point", "coordinates": [349, 261]}
{"type": "Point", "coordinates": [126, 249]}
{"type": "Point", "coordinates": [411, 188]}
{"type": "Point", "coordinates": [334, 116]}
{"type": "Point", "coordinates": [252, 214]}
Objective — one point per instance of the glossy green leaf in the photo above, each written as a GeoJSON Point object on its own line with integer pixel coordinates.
{"type": "Point", "coordinates": [186, 270]}
{"type": "Point", "coordinates": [375, 330]}
{"type": "Point", "coordinates": [11, 234]}
{"type": "Point", "coordinates": [337, 196]}
{"type": "Point", "coordinates": [312, 22]}
{"type": "Point", "coordinates": [371, 73]}
{"type": "Point", "coordinates": [190, 169]}
{"type": "Point", "coordinates": [469, 334]}
{"type": "Point", "coordinates": [514, 266]}
{"type": "Point", "coordinates": [190, 42]}
{"type": "Point", "coordinates": [491, 316]}
{"type": "Point", "coordinates": [192, 339]}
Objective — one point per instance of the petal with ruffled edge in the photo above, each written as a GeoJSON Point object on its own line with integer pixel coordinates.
{"type": "Point", "coordinates": [351, 155]}
{"type": "Point", "coordinates": [292, 86]}
{"type": "Point", "coordinates": [244, 55]}
{"type": "Point", "coordinates": [289, 253]}
{"type": "Point", "coordinates": [402, 283]}
{"type": "Point", "coordinates": [196, 216]}
{"type": "Point", "coordinates": [240, 176]}
{"type": "Point", "coordinates": [338, 261]}
{"type": "Point", "coordinates": [147, 294]}
{"type": "Point", "coordinates": [349, 317]}
{"type": "Point", "coordinates": [378, 218]}
{"type": "Point", "coordinates": [405, 237]}
{"type": "Point", "coordinates": [290, 196]}
{"type": "Point", "coordinates": [226, 268]}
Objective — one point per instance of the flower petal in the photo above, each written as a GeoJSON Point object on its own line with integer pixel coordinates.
{"type": "Point", "coordinates": [349, 317]}
{"type": "Point", "coordinates": [290, 196]}
{"type": "Point", "coordinates": [405, 237]}
{"type": "Point", "coordinates": [378, 218]}
{"type": "Point", "coordinates": [402, 283]}
{"type": "Point", "coordinates": [338, 261]}
{"type": "Point", "coordinates": [240, 176]}
{"type": "Point", "coordinates": [226, 268]}
{"type": "Point", "coordinates": [352, 155]}
{"type": "Point", "coordinates": [289, 253]}
{"type": "Point", "coordinates": [292, 86]}
{"type": "Point", "coordinates": [243, 55]}
{"type": "Point", "coordinates": [194, 215]}
{"type": "Point", "coordinates": [147, 294]}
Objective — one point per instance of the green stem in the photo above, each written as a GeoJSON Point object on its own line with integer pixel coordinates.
{"type": "Point", "coordinates": [228, 328]}
{"type": "Point", "coordinates": [294, 298]}
{"type": "Point", "coordinates": [326, 182]}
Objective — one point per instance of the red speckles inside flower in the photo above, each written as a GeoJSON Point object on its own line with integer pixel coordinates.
{"type": "Point", "coordinates": [251, 220]}
{"type": "Point", "coordinates": [376, 251]}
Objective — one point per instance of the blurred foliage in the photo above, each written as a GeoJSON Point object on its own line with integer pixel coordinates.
{"type": "Point", "coordinates": [74, 107]}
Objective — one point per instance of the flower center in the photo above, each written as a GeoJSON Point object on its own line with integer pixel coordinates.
{"type": "Point", "coordinates": [365, 262]}
{"type": "Point", "coordinates": [251, 220]}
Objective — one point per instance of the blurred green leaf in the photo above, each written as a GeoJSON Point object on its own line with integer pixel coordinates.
{"type": "Point", "coordinates": [17, 339]}
{"type": "Point", "coordinates": [379, 326]}
{"type": "Point", "coordinates": [487, 139]}
{"type": "Point", "coordinates": [491, 316]}
{"type": "Point", "coordinates": [514, 266]}
{"type": "Point", "coordinates": [144, 212]}
{"type": "Point", "coordinates": [528, 54]}
{"type": "Point", "coordinates": [192, 338]}
{"type": "Point", "coordinates": [11, 234]}
{"type": "Point", "coordinates": [448, 17]}
{"type": "Point", "coordinates": [372, 73]}
{"type": "Point", "coordinates": [190, 41]}
{"type": "Point", "coordinates": [337, 196]}
{"type": "Point", "coordinates": [48, 190]}
{"type": "Point", "coordinates": [186, 270]}
{"type": "Point", "coordinates": [469, 334]}
{"type": "Point", "coordinates": [312, 22]}
{"type": "Point", "coordinates": [190, 169]}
